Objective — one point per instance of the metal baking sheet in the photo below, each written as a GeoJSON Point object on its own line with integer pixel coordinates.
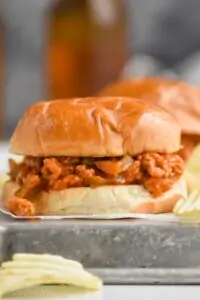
{"type": "Point", "coordinates": [121, 251]}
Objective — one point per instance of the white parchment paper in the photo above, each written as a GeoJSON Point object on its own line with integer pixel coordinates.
{"type": "Point", "coordinates": [160, 217]}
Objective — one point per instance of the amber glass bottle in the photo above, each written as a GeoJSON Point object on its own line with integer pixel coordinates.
{"type": "Point", "coordinates": [86, 47]}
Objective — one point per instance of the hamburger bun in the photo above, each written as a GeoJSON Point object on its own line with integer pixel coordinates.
{"type": "Point", "coordinates": [180, 99]}
{"type": "Point", "coordinates": [99, 127]}
{"type": "Point", "coordinates": [100, 200]}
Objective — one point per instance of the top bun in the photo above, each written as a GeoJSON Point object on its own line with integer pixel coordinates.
{"type": "Point", "coordinates": [104, 126]}
{"type": "Point", "coordinates": [179, 98]}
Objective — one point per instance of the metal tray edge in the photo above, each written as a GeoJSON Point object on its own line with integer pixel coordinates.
{"type": "Point", "coordinates": [148, 276]}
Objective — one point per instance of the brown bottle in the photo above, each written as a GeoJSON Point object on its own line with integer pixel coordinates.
{"type": "Point", "coordinates": [86, 47]}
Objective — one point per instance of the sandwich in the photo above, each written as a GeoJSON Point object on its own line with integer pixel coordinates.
{"type": "Point", "coordinates": [180, 99]}
{"type": "Point", "coordinates": [103, 155]}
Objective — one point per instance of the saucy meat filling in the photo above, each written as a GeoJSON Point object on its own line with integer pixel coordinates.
{"type": "Point", "coordinates": [156, 172]}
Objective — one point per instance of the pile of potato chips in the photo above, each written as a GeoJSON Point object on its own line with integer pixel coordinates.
{"type": "Point", "coordinates": [189, 208]}
{"type": "Point", "coordinates": [29, 270]}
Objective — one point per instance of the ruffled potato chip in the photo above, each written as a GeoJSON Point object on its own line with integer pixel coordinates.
{"type": "Point", "coordinates": [189, 208]}
{"type": "Point", "coordinates": [30, 270]}
{"type": "Point", "coordinates": [192, 170]}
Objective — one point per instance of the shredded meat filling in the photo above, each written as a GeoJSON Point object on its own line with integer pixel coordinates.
{"type": "Point", "coordinates": [156, 172]}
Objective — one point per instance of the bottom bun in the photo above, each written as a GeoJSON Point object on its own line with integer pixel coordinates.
{"type": "Point", "coordinates": [100, 200]}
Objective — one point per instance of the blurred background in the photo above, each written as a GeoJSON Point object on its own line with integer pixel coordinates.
{"type": "Point", "coordinates": [71, 48]}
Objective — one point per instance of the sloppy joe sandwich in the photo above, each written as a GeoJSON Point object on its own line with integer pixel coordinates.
{"type": "Point", "coordinates": [95, 156]}
{"type": "Point", "coordinates": [179, 98]}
